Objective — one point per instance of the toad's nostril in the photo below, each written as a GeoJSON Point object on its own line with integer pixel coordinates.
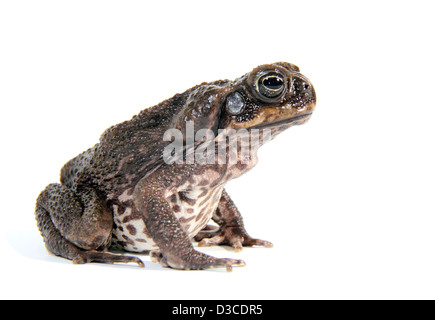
{"type": "Point", "coordinates": [301, 85]}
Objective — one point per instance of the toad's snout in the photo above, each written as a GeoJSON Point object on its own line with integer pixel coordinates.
{"type": "Point", "coordinates": [301, 91]}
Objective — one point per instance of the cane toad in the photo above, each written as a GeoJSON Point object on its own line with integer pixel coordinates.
{"type": "Point", "coordinates": [135, 191]}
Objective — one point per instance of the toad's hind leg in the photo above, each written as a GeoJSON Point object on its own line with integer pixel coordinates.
{"type": "Point", "coordinates": [76, 225]}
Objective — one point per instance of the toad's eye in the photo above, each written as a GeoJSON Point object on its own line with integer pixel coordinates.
{"type": "Point", "coordinates": [270, 85]}
{"type": "Point", "coordinates": [235, 103]}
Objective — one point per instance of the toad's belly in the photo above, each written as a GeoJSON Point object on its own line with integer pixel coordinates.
{"type": "Point", "coordinates": [193, 209]}
{"type": "Point", "coordinates": [129, 231]}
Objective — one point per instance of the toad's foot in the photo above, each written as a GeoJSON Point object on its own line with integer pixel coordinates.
{"type": "Point", "coordinates": [233, 236]}
{"type": "Point", "coordinates": [196, 261]}
{"type": "Point", "coordinates": [104, 257]}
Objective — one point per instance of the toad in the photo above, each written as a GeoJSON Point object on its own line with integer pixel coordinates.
{"type": "Point", "coordinates": [137, 191]}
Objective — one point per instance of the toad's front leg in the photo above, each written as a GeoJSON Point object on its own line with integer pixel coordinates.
{"type": "Point", "coordinates": [175, 247]}
{"type": "Point", "coordinates": [231, 230]}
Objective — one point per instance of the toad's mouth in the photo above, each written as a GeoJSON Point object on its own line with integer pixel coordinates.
{"type": "Point", "coordinates": [279, 117]}
{"type": "Point", "coordinates": [296, 120]}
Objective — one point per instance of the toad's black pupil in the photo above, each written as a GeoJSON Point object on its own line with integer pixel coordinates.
{"type": "Point", "coordinates": [273, 83]}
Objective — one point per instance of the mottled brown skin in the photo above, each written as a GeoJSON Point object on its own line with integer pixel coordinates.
{"type": "Point", "coordinates": [122, 194]}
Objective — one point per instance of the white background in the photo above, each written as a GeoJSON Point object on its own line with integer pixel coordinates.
{"type": "Point", "coordinates": [347, 199]}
